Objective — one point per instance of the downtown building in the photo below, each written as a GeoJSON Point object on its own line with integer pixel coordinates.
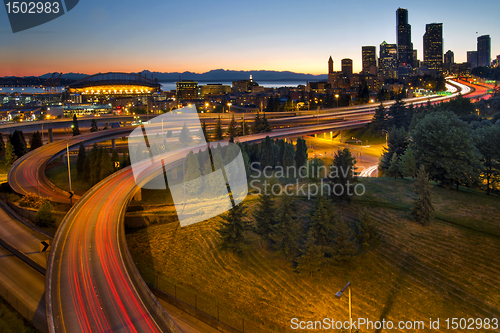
{"type": "Point", "coordinates": [433, 48]}
{"type": "Point", "coordinates": [484, 50]}
{"type": "Point", "coordinates": [388, 61]}
{"type": "Point", "coordinates": [369, 56]}
{"type": "Point", "coordinates": [405, 46]}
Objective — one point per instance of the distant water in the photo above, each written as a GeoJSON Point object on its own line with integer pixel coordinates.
{"type": "Point", "coordinates": [167, 86]}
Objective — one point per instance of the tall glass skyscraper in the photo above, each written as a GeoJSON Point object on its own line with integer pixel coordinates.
{"type": "Point", "coordinates": [405, 46]}
{"type": "Point", "coordinates": [484, 50]}
{"type": "Point", "coordinates": [433, 46]}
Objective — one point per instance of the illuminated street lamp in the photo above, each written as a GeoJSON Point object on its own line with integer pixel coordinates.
{"type": "Point", "coordinates": [339, 294]}
{"type": "Point", "coordinates": [229, 104]}
{"type": "Point", "coordinates": [337, 97]}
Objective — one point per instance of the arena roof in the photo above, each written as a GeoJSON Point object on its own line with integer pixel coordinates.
{"type": "Point", "coordinates": [115, 79]}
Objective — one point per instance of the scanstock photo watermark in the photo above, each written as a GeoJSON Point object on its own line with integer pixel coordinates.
{"type": "Point", "coordinates": [25, 15]}
{"type": "Point", "coordinates": [205, 179]}
{"type": "Point", "coordinates": [266, 180]}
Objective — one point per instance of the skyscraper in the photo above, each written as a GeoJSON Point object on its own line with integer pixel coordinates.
{"type": "Point", "coordinates": [388, 60]}
{"type": "Point", "coordinates": [449, 61]}
{"type": "Point", "coordinates": [433, 46]}
{"type": "Point", "coordinates": [405, 46]}
{"type": "Point", "coordinates": [330, 65]}
{"type": "Point", "coordinates": [347, 67]}
{"type": "Point", "coordinates": [472, 58]}
{"type": "Point", "coordinates": [484, 50]}
{"type": "Point", "coordinates": [369, 54]}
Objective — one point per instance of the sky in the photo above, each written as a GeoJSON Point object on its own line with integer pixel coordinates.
{"type": "Point", "coordinates": [197, 36]}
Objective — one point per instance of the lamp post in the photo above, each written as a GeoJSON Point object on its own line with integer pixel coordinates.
{"type": "Point", "coordinates": [339, 294]}
{"type": "Point", "coordinates": [337, 97]}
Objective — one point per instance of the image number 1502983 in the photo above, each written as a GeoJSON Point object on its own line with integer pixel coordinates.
{"type": "Point", "coordinates": [25, 15]}
{"type": "Point", "coordinates": [33, 7]}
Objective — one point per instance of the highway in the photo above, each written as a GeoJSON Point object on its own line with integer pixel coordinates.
{"type": "Point", "coordinates": [91, 284]}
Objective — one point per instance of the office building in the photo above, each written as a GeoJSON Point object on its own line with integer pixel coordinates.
{"type": "Point", "coordinates": [484, 50]}
{"type": "Point", "coordinates": [369, 59]}
{"type": "Point", "coordinates": [433, 47]}
{"type": "Point", "coordinates": [449, 61]}
{"type": "Point", "coordinates": [405, 46]}
{"type": "Point", "coordinates": [187, 90]}
{"type": "Point", "coordinates": [388, 60]}
{"type": "Point", "coordinates": [347, 67]}
{"type": "Point", "coordinates": [472, 58]}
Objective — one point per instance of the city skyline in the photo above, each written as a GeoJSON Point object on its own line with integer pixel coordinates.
{"type": "Point", "coordinates": [123, 36]}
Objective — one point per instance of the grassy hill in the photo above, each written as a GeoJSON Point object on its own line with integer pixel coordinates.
{"type": "Point", "coordinates": [449, 269]}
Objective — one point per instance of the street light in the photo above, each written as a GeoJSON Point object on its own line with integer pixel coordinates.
{"type": "Point", "coordinates": [339, 294]}
{"type": "Point", "coordinates": [337, 97]}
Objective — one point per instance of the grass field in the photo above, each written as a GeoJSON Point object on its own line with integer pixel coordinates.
{"type": "Point", "coordinates": [449, 269]}
{"type": "Point", "coordinates": [58, 175]}
{"type": "Point", "coordinates": [11, 321]}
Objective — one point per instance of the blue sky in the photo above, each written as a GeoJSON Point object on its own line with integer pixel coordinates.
{"type": "Point", "coordinates": [126, 35]}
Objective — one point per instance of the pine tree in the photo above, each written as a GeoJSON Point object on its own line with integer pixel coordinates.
{"type": "Point", "coordinates": [126, 160]}
{"type": "Point", "coordinates": [204, 131]}
{"type": "Point", "coordinates": [312, 258]}
{"type": "Point", "coordinates": [394, 167]}
{"type": "Point", "coordinates": [169, 134]}
{"type": "Point", "coordinates": [192, 174]}
{"type": "Point", "coordinates": [80, 162]}
{"type": "Point", "coordinates": [367, 233]}
{"type": "Point", "coordinates": [93, 126]}
{"type": "Point", "coordinates": [245, 130]}
{"type": "Point", "coordinates": [265, 127]}
{"type": "Point", "coordinates": [185, 136]}
{"type": "Point", "coordinates": [288, 157]}
{"type": "Point", "coordinates": [95, 164]}
{"type": "Point", "coordinates": [231, 129]}
{"type": "Point", "coordinates": [345, 247]}
{"type": "Point", "coordinates": [408, 164]}
{"type": "Point", "coordinates": [281, 144]}
{"type": "Point", "coordinates": [266, 157]}
{"type": "Point", "coordinates": [76, 129]}
{"type": "Point", "coordinates": [285, 234]}
{"type": "Point", "coordinates": [10, 155]}
{"type": "Point", "coordinates": [115, 157]}
{"type": "Point", "coordinates": [107, 167]}
{"type": "Point", "coordinates": [379, 119]}
{"type": "Point", "coordinates": [264, 216]}
{"type": "Point", "coordinates": [323, 220]}
{"type": "Point", "coordinates": [2, 144]}
{"type": "Point", "coordinates": [36, 140]}
{"type": "Point", "coordinates": [218, 130]}
{"type": "Point", "coordinates": [301, 153]}
{"type": "Point", "coordinates": [256, 124]}
{"type": "Point", "coordinates": [19, 143]}
{"type": "Point", "coordinates": [423, 209]}
{"type": "Point", "coordinates": [233, 228]}
{"type": "Point", "coordinates": [342, 174]}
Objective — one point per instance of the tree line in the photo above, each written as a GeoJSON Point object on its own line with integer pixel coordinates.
{"type": "Point", "coordinates": [16, 146]}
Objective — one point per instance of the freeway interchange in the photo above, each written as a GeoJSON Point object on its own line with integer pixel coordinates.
{"type": "Point", "coordinates": [92, 284]}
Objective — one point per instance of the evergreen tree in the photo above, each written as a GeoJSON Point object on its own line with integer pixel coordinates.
{"type": "Point", "coordinates": [126, 160]}
{"type": "Point", "coordinates": [19, 143]}
{"type": "Point", "coordinates": [192, 174]}
{"type": "Point", "coordinates": [93, 126]}
{"type": "Point", "coordinates": [488, 144]}
{"type": "Point", "coordinates": [80, 162]}
{"type": "Point", "coordinates": [397, 142]}
{"type": "Point", "coordinates": [106, 167]}
{"type": "Point", "coordinates": [266, 157]}
{"type": "Point", "coordinates": [379, 119]}
{"type": "Point", "coordinates": [36, 140]}
{"type": "Point", "coordinates": [396, 116]}
{"type": "Point", "coordinates": [10, 155]}
{"type": "Point", "coordinates": [218, 135]}
{"type": "Point", "coordinates": [394, 167]}
{"type": "Point", "coordinates": [205, 131]}
{"type": "Point", "coordinates": [323, 220]}
{"type": "Point", "coordinates": [256, 124]}
{"type": "Point", "coordinates": [265, 127]}
{"type": "Point", "coordinates": [115, 157]}
{"type": "Point", "coordinates": [44, 216]}
{"type": "Point", "coordinates": [95, 164]}
{"type": "Point", "coordinates": [76, 129]}
{"type": "Point", "coordinates": [232, 129]}
{"type": "Point", "coordinates": [367, 232]}
{"type": "Point", "coordinates": [233, 228]}
{"type": "Point", "coordinates": [285, 234]}
{"type": "Point", "coordinates": [2, 144]}
{"type": "Point", "coordinates": [288, 157]}
{"type": "Point", "coordinates": [408, 164]}
{"type": "Point", "coordinates": [185, 136]}
{"type": "Point", "coordinates": [245, 130]}
{"type": "Point", "coordinates": [281, 145]}
{"type": "Point", "coordinates": [301, 153]}
{"type": "Point", "coordinates": [444, 145]}
{"type": "Point", "coordinates": [345, 246]}
{"type": "Point", "coordinates": [342, 174]}
{"type": "Point", "coordinates": [422, 210]}
{"type": "Point", "coordinates": [312, 258]}
{"type": "Point", "coordinates": [264, 216]}
{"type": "Point", "coordinates": [169, 134]}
